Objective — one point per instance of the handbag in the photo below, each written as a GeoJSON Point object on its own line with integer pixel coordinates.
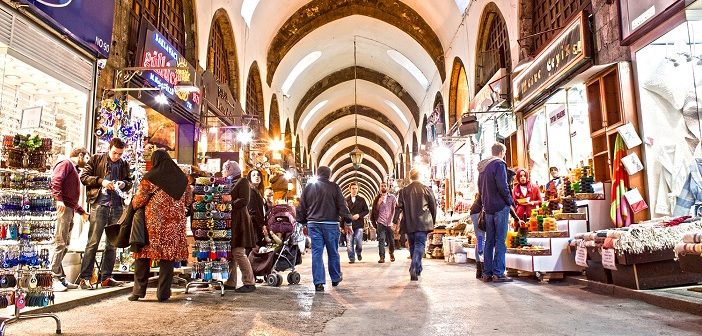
{"type": "Point", "coordinates": [118, 233]}
{"type": "Point", "coordinates": [481, 221]}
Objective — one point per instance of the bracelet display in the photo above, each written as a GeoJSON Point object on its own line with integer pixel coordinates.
{"type": "Point", "coordinates": [202, 215]}
{"type": "Point", "coordinates": [211, 224]}
{"type": "Point", "coordinates": [204, 181]}
{"type": "Point", "coordinates": [212, 234]}
{"type": "Point", "coordinates": [204, 198]}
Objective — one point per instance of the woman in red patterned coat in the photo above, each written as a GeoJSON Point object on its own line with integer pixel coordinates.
{"type": "Point", "coordinates": [165, 194]}
{"type": "Point", "coordinates": [526, 195]}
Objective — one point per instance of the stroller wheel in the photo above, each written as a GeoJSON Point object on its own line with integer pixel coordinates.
{"type": "Point", "coordinates": [293, 278]}
{"type": "Point", "coordinates": [271, 279]}
{"type": "Point", "coordinates": [279, 279]}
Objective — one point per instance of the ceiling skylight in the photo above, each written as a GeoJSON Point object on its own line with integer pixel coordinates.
{"type": "Point", "coordinates": [462, 4]}
{"type": "Point", "coordinates": [248, 7]}
{"type": "Point", "coordinates": [311, 114]}
{"type": "Point", "coordinates": [409, 66]}
{"type": "Point", "coordinates": [398, 112]}
{"type": "Point", "coordinates": [299, 68]}
{"type": "Point", "coordinates": [394, 143]}
{"type": "Point", "coordinates": [320, 137]}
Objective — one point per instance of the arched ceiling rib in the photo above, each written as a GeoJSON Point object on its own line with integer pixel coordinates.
{"type": "Point", "coordinates": [365, 113]}
{"type": "Point", "coordinates": [331, 150]}
{"type": "Point", "coordinates": [367, 159]}
{"type": "Point", "coordinates": [318, 13]}
{"type": "Point", "coordinates": [349, 134]}
{"type": "Point", "coordinates": [363, 189]}
{"type": "Point", "coordinates": [371, 153]}
{"type": "Point", "coordinates": [368, 184]}
{"type": "Point", "coordinates": [353, 174]}
{"type": "Point", "coordinates": [365, 163]}
{"type": "Point", "coordinates": [365, 126]}
{"type": "Point", "coordinates": [363, 74]}
{"type": "Point", "coordinates": [340, 171]}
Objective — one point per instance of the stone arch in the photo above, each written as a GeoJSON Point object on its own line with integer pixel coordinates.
{"type": "Point", "coordinates": [415, 144]}
{"type": "Point", "coordinates": [288, 136]}
{"type": "Point", "coordinates": [347, 74]}
{"type": "Point", "coordinates": [317, 13]}
{"type": "Point", "coordinates": [458, 93]}
{"type": "Point", "coordinates": [364, 163]}
{"type": "Point", "coordinates": [492, 50]}
{"type": "Point", "coordinates": [362, 133]}
{"type": "Point", "coordinates": [345, 170]}
{"type": "Point", "coordinates": [424, 131]}
{"type": "Point", "coordinates": [221, 37]}
{"type": "Point", "coordinates": [274, 119]}
{"type": "Point", "coordinates": [439, 110]}
{"type": "Point", "coordinates": [254, 97]}
{"type": "Point", "coordinates": [366, 150]}
{"type": "Point", "coordinates": [349, 110]}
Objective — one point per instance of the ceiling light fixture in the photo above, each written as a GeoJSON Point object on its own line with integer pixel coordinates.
{"type": "Point", "coordinates": [356, 154]}
{"type": "Point", "coordinates": [161, 99]}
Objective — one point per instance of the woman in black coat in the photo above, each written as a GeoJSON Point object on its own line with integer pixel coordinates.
{"type": "Point", "coordinates": [257, 208]}
{"type": "Point", "coordinates": [243, 236]}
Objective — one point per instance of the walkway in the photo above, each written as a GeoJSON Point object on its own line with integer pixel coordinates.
{"type": "Point", "coordinates": [379, 299]}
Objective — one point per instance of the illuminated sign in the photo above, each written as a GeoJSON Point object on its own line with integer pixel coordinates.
{"type": "Point", "coordinates": [159, 53]}
{"type": "Point", "coordinates": [568, 50]}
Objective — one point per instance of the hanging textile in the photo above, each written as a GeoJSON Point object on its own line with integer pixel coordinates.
{"type": "Point", "coordinates": [619, 209]}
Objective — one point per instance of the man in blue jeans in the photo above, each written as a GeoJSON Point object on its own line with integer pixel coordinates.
{"type": "Point", "coordinates": [321, 205]}
{"type": "Point", "coordinates": [497, 201]}
{"type": "Point", "coordinates": [418, 204]}
{"type": "Point", "coordinates": [359, 210]}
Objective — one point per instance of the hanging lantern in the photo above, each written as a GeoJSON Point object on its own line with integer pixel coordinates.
{"type": "Point", "coordinates": [356, 157]}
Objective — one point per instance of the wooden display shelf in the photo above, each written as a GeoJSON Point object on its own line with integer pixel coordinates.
{"type": "Point", "coordinates": [690, 263]}
{"type": "Point", "coordinates": [548, 234]}
{"type": "Point", "coordinates": [571, 216]}
{"type": "Point", "coordinates": [529, 252]}
{"type": "Point", "coordinates": [627, 258]}
{"type": "Point", "coordinates": [659, 274]}
{"type": "Point", "coordinates": [589, 196]}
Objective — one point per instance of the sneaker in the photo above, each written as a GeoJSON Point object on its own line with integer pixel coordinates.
{"type": "Point", "coordinates": [392, 257]}
{"type": "Point", "coordinates": [69, 285]}
{"type": "Point", "coordinates": [109, 282]}
{"type": "Point", "coordinates": [501, 278]}
{"type": "Point", "coordinates": [382, 260]}
{"type": "Point", "coordinates": [319, 288]}
{"type": "Point", "coordinates": [85, 284]}
{"type": "Point", "coordinates": [360, 258]}
{"type": "Point", "coordinates": [58, 286]}
{"type": "Point", "coordinates": [246, 289]}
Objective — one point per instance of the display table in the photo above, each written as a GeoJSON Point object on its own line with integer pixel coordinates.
{"type": "Point", "coordinates": [650, 270]}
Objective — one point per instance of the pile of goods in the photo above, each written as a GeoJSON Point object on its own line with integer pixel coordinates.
{"type": "Point", "coordinates": [26, 151]}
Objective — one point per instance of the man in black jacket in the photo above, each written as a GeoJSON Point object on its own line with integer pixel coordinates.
{"type": "Point", "coordinates": [418, 205]}
{"type": "Point", "coordinates": [359, 210]}
{"type": "Point", "coordinates": [321, 205]}
{"type": "Point", "coordinates": [105, 176]}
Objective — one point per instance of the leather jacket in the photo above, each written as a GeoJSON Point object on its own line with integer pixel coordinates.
{"type": "Point", "coordinates": [94, 172]}
{"type": "Point", "coordinates": [418, 204]}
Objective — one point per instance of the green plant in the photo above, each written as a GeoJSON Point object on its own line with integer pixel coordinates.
{"type": "Point", "coordinates": [28, 142]}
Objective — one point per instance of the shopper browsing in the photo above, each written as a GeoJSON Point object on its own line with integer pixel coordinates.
{"type": "Point", "coordinates": [381, 218]}
{"type": "Point", "coordinates": [359, 210]}
{"type": "Point", "coordinates": [257, 207]}
{"type": "Point", "coordinates": [65, 187]}
{"type": "Point", "coordinates": [105, 177]}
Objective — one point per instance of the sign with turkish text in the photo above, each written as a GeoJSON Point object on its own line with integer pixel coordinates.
{"type": "Point", "coordinates": [609, 259]}
{"type": "Point", "coordinates": [637, 16]}
{"type": "Point", "coordinates": [88, 22]}
{"type": "Point", "coordinates": [581, 256]}
{"type": "Point", "coordinates": [568, 50]}
{"type": "Point", "coordinates": [157, 52]}
{"type": "Point", "coordinates": [219, 99]}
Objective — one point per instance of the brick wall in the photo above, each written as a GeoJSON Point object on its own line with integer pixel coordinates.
{"type": "Point", "coordinates": [607, 36]}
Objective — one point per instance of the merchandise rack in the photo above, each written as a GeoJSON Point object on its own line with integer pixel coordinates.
{"type": "Point", "coordinates": [28, 289]}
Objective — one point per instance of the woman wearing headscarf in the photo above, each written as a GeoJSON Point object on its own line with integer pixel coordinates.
{"type": "Point", "coordinates": [257, 208]}
{"type": "Point", "coordinates": [243, 236]}
{"type": "Point", "coordinates": [526, 195]}
{"type": "Point", "coordinates": [165, 195]}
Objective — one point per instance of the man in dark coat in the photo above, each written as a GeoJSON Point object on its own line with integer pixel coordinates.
{"type": "Point", "coordinates": [106, 177]}
{"type": "Point", "coordinates": [359, 210]}
{"type": "Point", "coordinates": [418, 203]}
{"type": "Point", "coordinates": [321, 205]}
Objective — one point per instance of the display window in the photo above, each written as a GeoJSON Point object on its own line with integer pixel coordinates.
{"type": "Point", "coordinates": [34, 102]}
{"type": "Point", "coordinates": [669, 73]}
{"type": "Point", "coordinates": [557, 134]}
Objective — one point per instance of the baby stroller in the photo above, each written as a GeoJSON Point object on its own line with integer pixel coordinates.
{"type": "Point", "coordinates": [270, 263]}
{"type": "Point", "coordinates": [281, 219]}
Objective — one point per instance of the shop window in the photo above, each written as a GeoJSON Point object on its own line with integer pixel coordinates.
{"type": "Point", "coordinates": [550, 15]}
{"type": "Point", "coordinates": [166, 15]}
{"type": "Point", "coordinates": [669, 73]}
{"type": "Point", "coordinates": [459, 95]}
{"type": "Point", "coordinates": [217, 61]}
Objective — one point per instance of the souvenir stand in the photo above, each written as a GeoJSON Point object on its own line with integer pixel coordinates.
{"type": "Point", "coordinates": [212, 230]}
{"type": "Point", "coordinates": [27, 220]}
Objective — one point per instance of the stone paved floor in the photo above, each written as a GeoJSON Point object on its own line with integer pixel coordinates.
{"type": "Point", "coordinates": [378, 300]}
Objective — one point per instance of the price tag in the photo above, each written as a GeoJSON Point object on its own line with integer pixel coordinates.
{"type": "Point", "coordinates": [581, 256]}
{"type": "Point", "coordinates": [609, 259]}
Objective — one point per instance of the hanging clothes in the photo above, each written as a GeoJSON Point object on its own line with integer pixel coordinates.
{"type": "Point", "coordinates": [620, 214]}
{"type": "Point", "coordinates": [691, 192]}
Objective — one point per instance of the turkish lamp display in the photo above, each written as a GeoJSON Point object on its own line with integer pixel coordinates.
{"type": "Point", "coordinates": [356, 157]}
{"type": "Point", "coordinates": [244, 136]}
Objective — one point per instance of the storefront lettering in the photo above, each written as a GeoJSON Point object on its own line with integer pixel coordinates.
{"type": "Point", "coordinates": [564, 53]}
{"type": "Point", "coordinates": [557, 116]}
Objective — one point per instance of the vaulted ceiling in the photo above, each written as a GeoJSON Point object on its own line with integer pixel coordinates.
{"type": "Point", "coordinates": [341, 63]}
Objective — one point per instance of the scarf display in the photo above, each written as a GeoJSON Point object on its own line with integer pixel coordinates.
{"type": "Point", "coordinates": [166, 175]}
{"type": "Point", "coordinates": [620, 214]}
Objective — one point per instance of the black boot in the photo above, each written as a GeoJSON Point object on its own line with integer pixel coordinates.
{"type": "Point", "coordinates": [478, 270]}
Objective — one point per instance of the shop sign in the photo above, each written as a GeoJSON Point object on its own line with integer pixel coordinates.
{"type": "Point", "coordinates": [157, 52]}
{"type": "Point", "coordinates": [218, 98]}
{"type": "Point", "coordinates": [640, 16]}
{"type": "Point", "coordinates": [609, 259]}
{"type": "Point", "coordinates": [581, 256]}
{"type": "Point", "coordinates": [88, 22]}
{"type": "Point", "coordinates": [557, 115]}
{"type": "Point", "coordinates": [490, 94]}
{"type": "Point", "coordinates": [569, 49]}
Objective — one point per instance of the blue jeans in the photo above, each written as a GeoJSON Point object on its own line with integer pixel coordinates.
{"type": "Point", "coordinates": [325, 235]}
{"type": "Point", "coordinates": [417, 243]}
{"type": "Point", "coordinates": [354, 243]}
{"type": "Point", "coordinates": [479, 236]}
{"type": "Point", "coordinates": [100, 217]}
{"type": "Point", "coordinates": [496, 226]}
{"type": "Point", "coordinates": [385, 234]}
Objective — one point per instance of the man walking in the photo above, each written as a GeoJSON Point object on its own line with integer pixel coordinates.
{"type": "Point", "coordinates": [418, 204]}
{"type": "Point", "coordinates": [65, 187]}
{"type": "Point", "coordinates": [105, 176]}
{"type": "Point", "coordinates": [359, 210]}
{"type": "Point", "coordinates": [381, 218]}
{"type": "Point", "coordinates": [497, 202]}
{"type": "Point", "coordinates": [321, 205]}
